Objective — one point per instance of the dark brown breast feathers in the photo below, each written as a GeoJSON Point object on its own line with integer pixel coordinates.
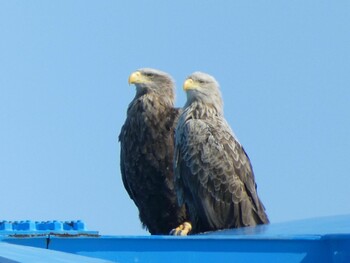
{"type": "Point", "coordinates": [146, 159]}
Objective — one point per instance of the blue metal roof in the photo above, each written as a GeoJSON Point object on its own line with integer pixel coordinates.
{"type": "Point", "coordinates": [306, 228]}
{"type": "Point", "coordinates": [30, 227]}
{"type": "Point", "coordinates": [13, 253]}
{"type": "Point", "coordinates": [311, 240]}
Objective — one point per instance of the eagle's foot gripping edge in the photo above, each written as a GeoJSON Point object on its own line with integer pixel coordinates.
{"type": "Point", "coordinates": [182, 230]}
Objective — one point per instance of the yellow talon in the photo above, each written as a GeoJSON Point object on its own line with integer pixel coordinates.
{"type": "Point", "coordinates": [182, 230]}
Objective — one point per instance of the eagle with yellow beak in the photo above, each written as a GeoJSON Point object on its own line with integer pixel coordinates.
{"type": "Point", "coordinates": [147, 150]}
{"type": "Point", "coordinates": [213, 174]}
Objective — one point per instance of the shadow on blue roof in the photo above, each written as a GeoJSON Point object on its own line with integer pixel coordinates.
{"type": "Point", "coordinates": [311, 240]}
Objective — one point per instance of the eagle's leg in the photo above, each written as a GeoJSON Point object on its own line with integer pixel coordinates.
{"type": "Point", "coordinates": [181, 230]}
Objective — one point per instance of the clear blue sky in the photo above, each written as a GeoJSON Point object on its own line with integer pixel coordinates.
{"type": "Point", "coordinates": [284, 70]}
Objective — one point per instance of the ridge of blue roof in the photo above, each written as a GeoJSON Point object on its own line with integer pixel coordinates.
{"type": "Point", "coordinates": [324, 239]}
{"type": "Point", "coordinates": [304, 228]}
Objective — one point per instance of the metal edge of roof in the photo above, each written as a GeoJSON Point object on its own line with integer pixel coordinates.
{"type": "Point", "coordinates": [321, 239]}
{"type": "Point", "coordinates": [16, 253]}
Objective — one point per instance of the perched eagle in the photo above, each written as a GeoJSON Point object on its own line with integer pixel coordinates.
{"type": "Point", "coordinates": [213, 174]}
{"type": "Point", "coordinates": [147, 150]}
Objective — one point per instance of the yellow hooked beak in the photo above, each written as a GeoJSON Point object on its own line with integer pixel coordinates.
{"type": "Point", "coordinates": [136, 77]}
{"type": "Point", "coordinates": [189, 84]}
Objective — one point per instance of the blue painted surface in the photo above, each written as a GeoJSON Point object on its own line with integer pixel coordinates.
{"type": "Point", "coordinates": [301, 228]}
{"type": "Point", "coordinates": [312, 240]}
{"type": "Point", "coordinates": [13, 253]}
{"type": "Point", "coordinates": [30, 227]}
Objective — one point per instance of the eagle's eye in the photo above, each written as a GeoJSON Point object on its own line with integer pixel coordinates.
{"type": "Point", "coordinates": [148, 74]}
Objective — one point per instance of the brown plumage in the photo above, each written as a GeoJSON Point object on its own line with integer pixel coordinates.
{"type": "Point", "coordinates": [147, 147]}
{"type": "Point", "coordinates": [213, 173]}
